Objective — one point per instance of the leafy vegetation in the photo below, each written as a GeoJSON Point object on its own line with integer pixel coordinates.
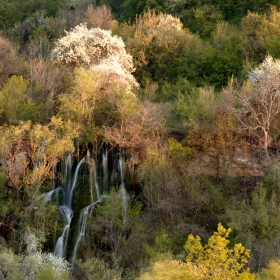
{"type": "Point", "coordinates": [214, 260]}
{"type": "Point", "coordinates": [187, 92]}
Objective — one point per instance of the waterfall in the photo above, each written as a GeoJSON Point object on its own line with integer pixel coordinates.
{"type": "Point", "coordinates": [91, 164]}
{"type": "Point", "coordinates": [91, 182]}
{"type": "Point", "coordinates": [105, 170]}
{"type": "Point", "coordinates": [87, 191]}
{"type": "Point", "coordinates": [61, 243]}
{"type": "Point", "coordinates": [123, 191]}
{"type": "Point", "coordinates": [82, 226]}
{"type": "Point", "coordinates": [73, 186]}
{"type": "Point", "coordinates": [96, 184]}
{"type": "Point", "coordinates": [93, 177]}
{"type": "Point", "coordinates": [88, 209]}
{"type": "Point", "coordinates": [66, 178]}
{"type": "Point", "coordinates": [47, 198]}
{"type": "Point", "coordinates": [66, 208]}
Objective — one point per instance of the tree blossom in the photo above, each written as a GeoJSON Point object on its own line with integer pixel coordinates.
{"type": "Point", "coordinates": [258, 102]}
{"type": "Point", "coordinates": [110, 71]}
{"type": "Point", "coordinates": [98, 50]}
{"type": "Point", "coordinates": [266, 76]}
{"type": "Point", "coordinates": [35, 261]}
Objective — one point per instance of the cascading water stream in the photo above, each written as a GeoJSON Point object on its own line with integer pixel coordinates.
{"type": "Point", "coordinates": [123, 190]}
{"type": "Point", "coordinates": [46, 199]}
{"type": "Point", "coordinates": [96, 185]}
{"type": "Point", "coordinates": [89, 191]}
{"type": "Point", "coordinates": [93, 177]}
{"type": "Point", "coordinates": [88, 209]}
{"type": "Point", "coordinates": [66, 178]}
{"type": "Point", "coordinates": [66, 208]}
{"type": "Point", "coordinates": [82, 226]}
{"type": "Point", "coordinates": [91, 183]}
{"type": "Point", "coordinates": [61, 242]}
{"type": "Point", "coordinates": [69, 199]}
{"type": "Point", "coordinates": [48, 196]}
{"type": "Point", "coordinates": [105, 170]}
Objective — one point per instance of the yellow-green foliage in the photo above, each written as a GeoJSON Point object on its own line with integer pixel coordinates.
{"type": "Point", "coordinates": [165, 269]}
{"type": "Point", "coordinates": [215, 260]}
{"type": "Point", "coordinates": [9, 264]}
{"type": "Point", "coordinates": [162, 246]}
{"type": "Point", "coordinates": [38, 146]}
{"type": "Point", "coordinates": [154, 32]}
{"type": "Point", "coordinates": [91, 104]}
{"type": "Point", "coordinates": [15, 102]}
{"type": "Point", "coordinates": [156, 42]}
{"type": "Point", "coordinates": [196, 110]}
{"type": "Point", "coordinates": [260, 34]}
{"type": "Point", "coordinates": [79, 103]}
{"type": "Point", "coordinates": [256, 224]}
{"type": "Point", "coordinates": [12, 97]}
{"type": "Point", "coordinates": [48, 273]}
{"type": "Point", "coordinates": [177, 150]}
{"type": "Point", "coordinates": [97, 269]}
{"type": "Point", "coordinates": [272, 272]}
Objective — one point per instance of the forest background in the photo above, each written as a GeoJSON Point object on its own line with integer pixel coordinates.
{"type": "Point", "coordinates": [173, 85]}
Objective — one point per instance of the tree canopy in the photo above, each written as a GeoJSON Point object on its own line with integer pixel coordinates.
{"type": "Point", "coordinates": [169, 110]}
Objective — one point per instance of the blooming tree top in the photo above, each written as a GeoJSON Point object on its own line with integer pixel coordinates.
{"type": "Point", "coordinates": [266, 76]}
{"type": "Point", "coordinates": [82, 47]}
{"type": "Point", "coordinates": [98, 50]}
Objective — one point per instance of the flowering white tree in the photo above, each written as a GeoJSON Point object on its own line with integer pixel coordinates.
{"type": "Point", "coordinates": [258, 101]}
{"type": "Point", "coordinates": [33, 264]}
{"type": "Point", "coordinates": [98, 50]}
{"type": "Point", "coordinates": [101, 95]}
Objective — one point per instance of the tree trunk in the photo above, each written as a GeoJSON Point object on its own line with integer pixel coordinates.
{"type": "Point", "coordinates": [266, 143]}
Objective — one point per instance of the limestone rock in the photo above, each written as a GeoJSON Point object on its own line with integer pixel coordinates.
{"type": "Point", "coordinates": [242, 162]}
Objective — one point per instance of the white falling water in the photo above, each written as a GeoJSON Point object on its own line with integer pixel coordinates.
{"type": "Point", "coordinates": [61, 243]}
{"type": "Point", "coordinates": [93, 178]}
{"type": "Point", "coordinates": [47, 197]}
{"type": "Point", "coordinates": [123, 191]}
{"type": "Point", "coordinates": [105, 170]}
{"type": "Point", "coordinates": [73, 186]}
{"type": "Point", "coordinates": [90, 162]}
{"type": "Point", "coordinates": [91, 183]}
{"type": "Point", "coordinates": [66, 178]}
{"type": "Point", "coordinates": [88, 209]}
{"type": "Point", "coordinates": [69, 185]}
{"type": "Point", "coordinates": [66, 208]}
{"type": "Point", "coordinates": [82, 226]}
{"type": "Point", "coordinates": [96, 184]}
